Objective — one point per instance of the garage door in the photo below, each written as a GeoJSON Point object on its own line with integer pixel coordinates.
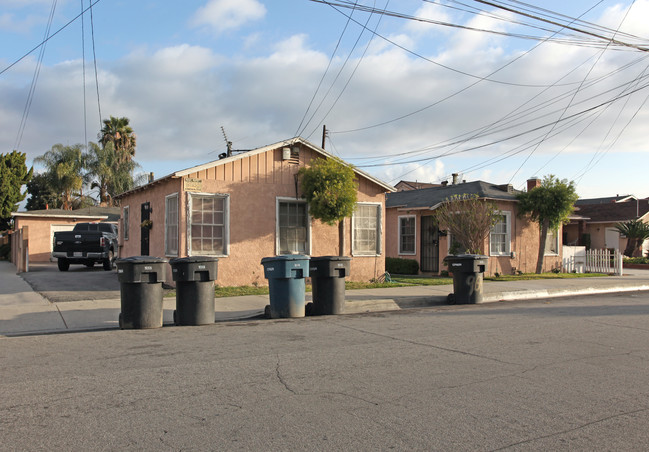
{"type": "Point", "coordinates": [56, 228]}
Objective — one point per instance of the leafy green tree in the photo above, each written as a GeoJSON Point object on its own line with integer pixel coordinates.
{"type": "Point", "coordinates": [550, 205]}
{"type": "Point", "coordinates": [13, 175]}
{"type": "Point", "coordinates": [469, 219]}
{"type": "Point", "coordinates": [107, 173]}
{"type": "Point", "coordinates": [42, 194]}
{"type": "Point", "coordinates": [65, 165]}
{"type": "Point", "coordinates": [329, 186]}
{"type": "Point", "coordinates": [636, 232]}
{"type": "Point", "coordinates": [118, 132]}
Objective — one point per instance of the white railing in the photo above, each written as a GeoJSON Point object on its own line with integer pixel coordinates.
{"type": "Point", "coordinates": [576, 259]}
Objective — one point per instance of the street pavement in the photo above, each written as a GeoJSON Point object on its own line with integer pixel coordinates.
{"type": "Point", "coordinates": [25, 310]}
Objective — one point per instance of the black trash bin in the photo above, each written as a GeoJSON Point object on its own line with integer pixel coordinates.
{"type": "Point", "coordinates": [328, 284]}
{"type": "Point", "coordinates": [194, 277]}
{"type": "Point", "coordinates": [285, 275]}
{"type": "Point", "coordinates": [468, 272]}
{"type": "Point", "coordinates": [141, 279]}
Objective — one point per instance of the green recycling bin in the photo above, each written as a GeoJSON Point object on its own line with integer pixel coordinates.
{"type": "Point", "coordinates": [140, 285]}
{"type": "Point", "coordinates": [328, 284]}
{"type": "Point", "coordinates": [194, 277]}
{"type": "Point", "coordinates": [468, 270]}
{"type": "Point", "coordinates": [285, 275]}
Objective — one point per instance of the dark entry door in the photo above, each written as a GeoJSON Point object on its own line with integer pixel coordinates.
{"type": "Point", "coordinates": [145, 216]}
{"type": "Point", "coordinates": [429, 245]}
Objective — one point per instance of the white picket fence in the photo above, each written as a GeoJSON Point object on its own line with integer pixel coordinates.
{"type": "Point", "coordinates": [579, 260]}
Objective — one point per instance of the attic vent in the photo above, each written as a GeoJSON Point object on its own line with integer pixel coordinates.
{"type": "Point", "coordinates": [291, 155]}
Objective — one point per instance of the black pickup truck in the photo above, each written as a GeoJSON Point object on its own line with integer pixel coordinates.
{"type": "Point", "coordinates": [86, 244]}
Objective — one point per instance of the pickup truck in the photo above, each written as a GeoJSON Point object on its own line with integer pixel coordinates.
{"type": "Point", "coordinates": [86, 244]}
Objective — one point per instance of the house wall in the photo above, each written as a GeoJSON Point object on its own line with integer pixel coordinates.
{"type": "Point", "coordinates": [253, 184]}
{"type": "Point", "coordinates": [40, 240]}
{"type": "Point", "coordinates": [524, 242]}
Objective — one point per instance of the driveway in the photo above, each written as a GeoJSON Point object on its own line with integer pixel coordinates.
{"type": "Point", "coordinates": [78, 283]}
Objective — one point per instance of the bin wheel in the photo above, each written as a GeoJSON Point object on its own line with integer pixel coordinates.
{"type": "Point", "coordinates": [108, 263]}
{"type": "Point", "coordinates": [175, 317]}
{"type": "Point", "coordinates": [451, 298]}
{"type": "Point", "coordinates": [267, 311]}
{"type": "Point", "coordinates": [119, 320]}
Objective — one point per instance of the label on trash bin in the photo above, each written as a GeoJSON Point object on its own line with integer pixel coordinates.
{"type": "Point", "coordinates": [148, 267]}
{"type": "Point", "coordinates": [201, 267]}
{"type": "Point", "coordinates": [270, 269]}
{"type": "Point", "coordinates": [120, 270]}
{"type": "Point", "coordinates": [458, 264]}
{"type": "Point", "coordinates": [340, 265]}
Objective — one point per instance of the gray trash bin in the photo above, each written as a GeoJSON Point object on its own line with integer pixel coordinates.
{"type": "Point", "coordinates": [328, 284]}
{"type": "Point", "coordinates": [285, 275]}
{"type": "Point", "coordinates": [140, 280]}
{"type": "Point", "coordinates": [194, 277]}
{"type": "Point", "coordinates": [468, 270]}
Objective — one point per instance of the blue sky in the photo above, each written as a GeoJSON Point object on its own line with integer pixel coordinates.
{"type": "Point", "coordinates": [182, 70]}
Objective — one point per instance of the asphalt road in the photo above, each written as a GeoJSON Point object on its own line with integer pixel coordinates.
{"type": "Point", "coordinates": [78, 283]}
{"type": "Point", "coordinates": [538, 375]}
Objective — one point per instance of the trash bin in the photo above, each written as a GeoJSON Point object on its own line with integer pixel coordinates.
{"type": "Point", "coordinates": [141, 279]}
{"type": "Point", "coordinates": [328, 284]}
{"type": "Point", "coordinates": [468, 272]}
{"type": "Point", "coordinates": [194, 277]}
{"type": "Point", "coordinates": [285, 275]}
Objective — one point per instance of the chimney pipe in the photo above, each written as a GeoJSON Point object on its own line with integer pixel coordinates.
{"type": "Point", "coordinates": [533, 182]}
{"type": "Point", "coordinates": [455, 178]}
{"type": "Point", "coordinates": [151, 177]}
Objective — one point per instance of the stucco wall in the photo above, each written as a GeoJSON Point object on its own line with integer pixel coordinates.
{"type": "Point", "coordinates": [253, 184]}
{"type": "Point", "coordinates": [524, 242]}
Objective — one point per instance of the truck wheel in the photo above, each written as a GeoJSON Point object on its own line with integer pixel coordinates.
{"type": "Point", "coordinates": [63, 264]}
{"type": "Point", "coordinates": [108, 263]}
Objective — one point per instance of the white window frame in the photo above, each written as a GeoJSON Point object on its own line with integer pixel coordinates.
{"type": "Point", "coordinates": [508, 235]}
{"type": "Point", "coordinates": [226, 221]}
{"type": "Point", "coordinates": [126, 216]}
{"type": "Point", "coordinates": [278, 201]}
{"type": "Point", "coordinates": [556, 239]}
{"type": "Point", "coordinates": [379, 230]}
{"type": "Point", "coordinates": [168, 251]}
{"type": "Point", "coordinates": [414, 235]}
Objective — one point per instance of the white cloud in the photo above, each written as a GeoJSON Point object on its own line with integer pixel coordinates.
{"type": "Point", "coordinates": [222, 15]}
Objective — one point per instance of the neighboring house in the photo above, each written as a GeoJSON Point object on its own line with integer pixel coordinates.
{"type": "Point", "coordinates": [409, 185]}
{"type": "Point", "coordinates": [598, 217]}
{"type": "Point", "coordinates": [512, 245]}
{"type": "Point", "coordinates": [248, 206]}
{"type": "Point", "coordinates": [44, 223]}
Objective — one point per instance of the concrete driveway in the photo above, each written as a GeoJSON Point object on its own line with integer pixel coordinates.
{"type": "Point", "coordinates": [78, 283]}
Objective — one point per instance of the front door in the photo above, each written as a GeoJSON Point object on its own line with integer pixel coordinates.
{"type": "Point", "coordinates": [145, 217]}
{"type": "Point", "coordinates": [429, 245]}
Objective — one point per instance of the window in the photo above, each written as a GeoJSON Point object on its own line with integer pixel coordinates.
{"type": "Point", "coordinates": [407, 234]}
{"type": "Point", "coordinates": [292, 227]}
{"type": "Point", "coordinates": [171, 225]}
{"type": "Point", "coordinates": [552, 242]}
{"type": "Point", "coordinates": [208, 224]}
{"type": "Point", "coordinates": [366, 230]}
{"type": "Point", "coordinates": [126, 221]}
{"type": "Point", "coordinates": [500, 236]}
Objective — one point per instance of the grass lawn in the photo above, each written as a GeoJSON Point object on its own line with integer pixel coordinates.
{"type": "Point", "coordinates": [397, 281]}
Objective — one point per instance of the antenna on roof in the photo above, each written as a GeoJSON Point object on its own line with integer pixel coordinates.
{"type": "Point", "coordinates": [227, 142]}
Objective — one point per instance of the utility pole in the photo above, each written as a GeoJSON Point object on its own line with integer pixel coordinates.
{"type": "Point", "coordinates": [324, 135]}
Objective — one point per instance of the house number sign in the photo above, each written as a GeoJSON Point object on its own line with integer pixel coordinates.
{"type": "Point", "coordinates": [192, 184]}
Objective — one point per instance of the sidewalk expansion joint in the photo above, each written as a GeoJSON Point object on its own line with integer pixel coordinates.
{"type": "Point", "coordinates": [62, 318]}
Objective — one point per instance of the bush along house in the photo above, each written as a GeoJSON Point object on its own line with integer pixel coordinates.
{"type": "Point", "coordinates": [247, 206]}
{"type": "Point", "coordinates": [512, 245]}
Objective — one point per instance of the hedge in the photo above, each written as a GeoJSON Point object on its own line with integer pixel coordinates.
{"type": "Point", "coordinates": [398, 266]}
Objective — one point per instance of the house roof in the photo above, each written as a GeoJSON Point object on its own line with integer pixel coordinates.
{"type": "Point", "coordinates": [87, 213]}
{"type": "Point", "coordinates": [261, 150]}
{"type": "Point", "coordinates": [430, 198]}
{"type": "Point", "coordinates": [410, 185]}
{"type": "Point", "coordinates": [615, 212]}
{"type": "Point", "coordinates": [605, 200]}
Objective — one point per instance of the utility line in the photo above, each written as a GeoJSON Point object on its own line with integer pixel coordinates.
{"type": "Point", "coordinates": [83, 71]}
{"type": "Point", "coordinates": [94, 59]}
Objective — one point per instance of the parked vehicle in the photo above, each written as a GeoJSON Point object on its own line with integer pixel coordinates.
{"type": "Point", "coordinates": [87, 244]}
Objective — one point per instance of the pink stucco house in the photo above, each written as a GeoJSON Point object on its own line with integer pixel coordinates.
{"type": "Point", "coordinates": [512, 245]}
{"type": "Point", "coordinates": [247, 206]}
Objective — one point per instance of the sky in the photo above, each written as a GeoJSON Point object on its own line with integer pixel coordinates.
{"type": "Point", "coordinates": [433, 88]}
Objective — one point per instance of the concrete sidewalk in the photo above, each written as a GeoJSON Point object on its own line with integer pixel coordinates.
{"type": "Point", "coordinates": [23, 311]}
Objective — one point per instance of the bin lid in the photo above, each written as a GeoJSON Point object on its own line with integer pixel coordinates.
{"type": "Point", "coordinates": [141, 260]}
{"type": "Point", "coordinates": [331, 258]}
{"type": "Point", "coordinates": [285, 257]}
{"type": "Point", "coordinates": [465, 257]}
{"type": "Point", "coordinates": [192, 260]}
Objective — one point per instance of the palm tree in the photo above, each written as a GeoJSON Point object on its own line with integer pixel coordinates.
{"type": "Point", "coordinates": [107, 173]}
{"type": "Point", "coordinates": [65, 166]}
{"type": "Point", "coordinates": [636, 232]}
{"type": "Point", "coordinates": [118, 132]}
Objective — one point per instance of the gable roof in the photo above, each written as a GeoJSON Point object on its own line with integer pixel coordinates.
{"type": "Point", "coordinates": [431, 198]}
{"type": "Point", "coordinates": [605, 200]}
{"type": "Point", "coordinates": [410, 185]}
{"type": "Point", "coordinates": [615, 212]}
{"type": "Point", "coordinates": [87, 213]}
{"type": "Point", "coordinates": [261, 150]}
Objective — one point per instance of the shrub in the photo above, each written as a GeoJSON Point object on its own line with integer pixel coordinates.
{"type": "Point", "coordinates": [636, 260]}
{"type": "Point", "coordinates": [400, 266]}
{"type": "Point", "coordinates": [5, 251]}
